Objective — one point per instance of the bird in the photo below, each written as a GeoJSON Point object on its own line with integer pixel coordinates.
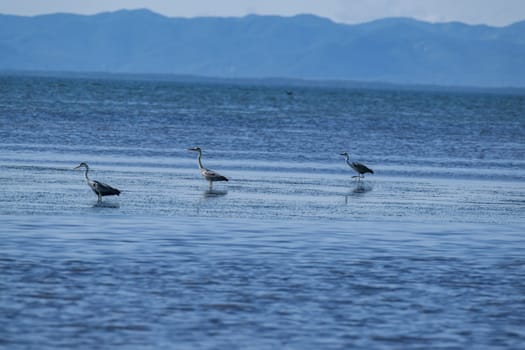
{"type": "Point", "coordinates": [359, 168]}
{"type": "Point", "coordinates": [100, 188]}
{"type": "Point", "coordinates": [210, 175]}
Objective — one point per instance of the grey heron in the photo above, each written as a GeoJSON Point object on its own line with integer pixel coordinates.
{"type": "Point", "coordinates": [359, 168]}
{"type": "Point", "coordinates": [210, 175]}
{"type": "Point", "coordinates": [100, 188]}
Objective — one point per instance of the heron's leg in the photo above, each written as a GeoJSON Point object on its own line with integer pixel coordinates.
{"type": "Point", "coordinates": [210, 185]}
{"type": "Point", "coordinates": [99, 197]}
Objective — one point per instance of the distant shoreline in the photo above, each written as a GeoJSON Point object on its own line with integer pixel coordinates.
{"type": "Point", "coordinates": [264, 81]}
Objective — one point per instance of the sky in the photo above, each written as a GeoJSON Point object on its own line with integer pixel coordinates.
{"type": "Point", "coordinates": [490, 12]}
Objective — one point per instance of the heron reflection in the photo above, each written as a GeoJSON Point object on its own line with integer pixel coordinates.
{"type": "Point", "coordinates": [214, 193]}
{"type": "Point", "coordinates": [357, 191]}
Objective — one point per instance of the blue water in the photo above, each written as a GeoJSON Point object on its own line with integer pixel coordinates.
{"type": "Point", "coordinates": [428, 252]}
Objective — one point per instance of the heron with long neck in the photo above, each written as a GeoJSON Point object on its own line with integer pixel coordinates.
{"type": "Point", "coordinates": [210, 175]}
{"type": "Point", "coordinates": [101, 189]}
{"type": "Point", "coordinates": [359, 168]}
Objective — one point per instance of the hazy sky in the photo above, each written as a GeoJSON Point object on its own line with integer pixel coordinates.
{"type": "Point", "coordinates": [492, 12]}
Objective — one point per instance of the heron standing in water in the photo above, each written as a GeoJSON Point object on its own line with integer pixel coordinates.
{"type": "Point", "coordinates": [210, 175]}
{"type": "Point", "coordinates": [359, 168]}
{"type": "Point", "coordinates": [100, 189]}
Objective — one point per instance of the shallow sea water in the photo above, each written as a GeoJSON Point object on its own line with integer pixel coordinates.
{"type": "Point", "coordinates": [429, 252]}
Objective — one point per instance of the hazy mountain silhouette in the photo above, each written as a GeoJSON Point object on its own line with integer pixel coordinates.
{"type": "Point", "coordinates": [396, 50]}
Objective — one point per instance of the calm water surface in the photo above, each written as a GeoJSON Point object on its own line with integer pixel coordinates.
{"type": "Point", "coordinates": [429, 252]}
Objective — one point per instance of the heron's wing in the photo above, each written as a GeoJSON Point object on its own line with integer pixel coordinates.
{"type": "Point", "coordinates": [105, 189]}
{"type": "Point", "coordinates": [363, 169]}
{"type": "Point", "coordinates": [212, 175]}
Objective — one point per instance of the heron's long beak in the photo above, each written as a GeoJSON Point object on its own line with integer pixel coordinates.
{"type": "Point", "coordinates": [192, 149]}
{"type": "Point", "coordinates": [78, 166]}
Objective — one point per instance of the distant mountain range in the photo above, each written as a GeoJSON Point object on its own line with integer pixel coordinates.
{"type": "Point", "coordinates": [395, 50]}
